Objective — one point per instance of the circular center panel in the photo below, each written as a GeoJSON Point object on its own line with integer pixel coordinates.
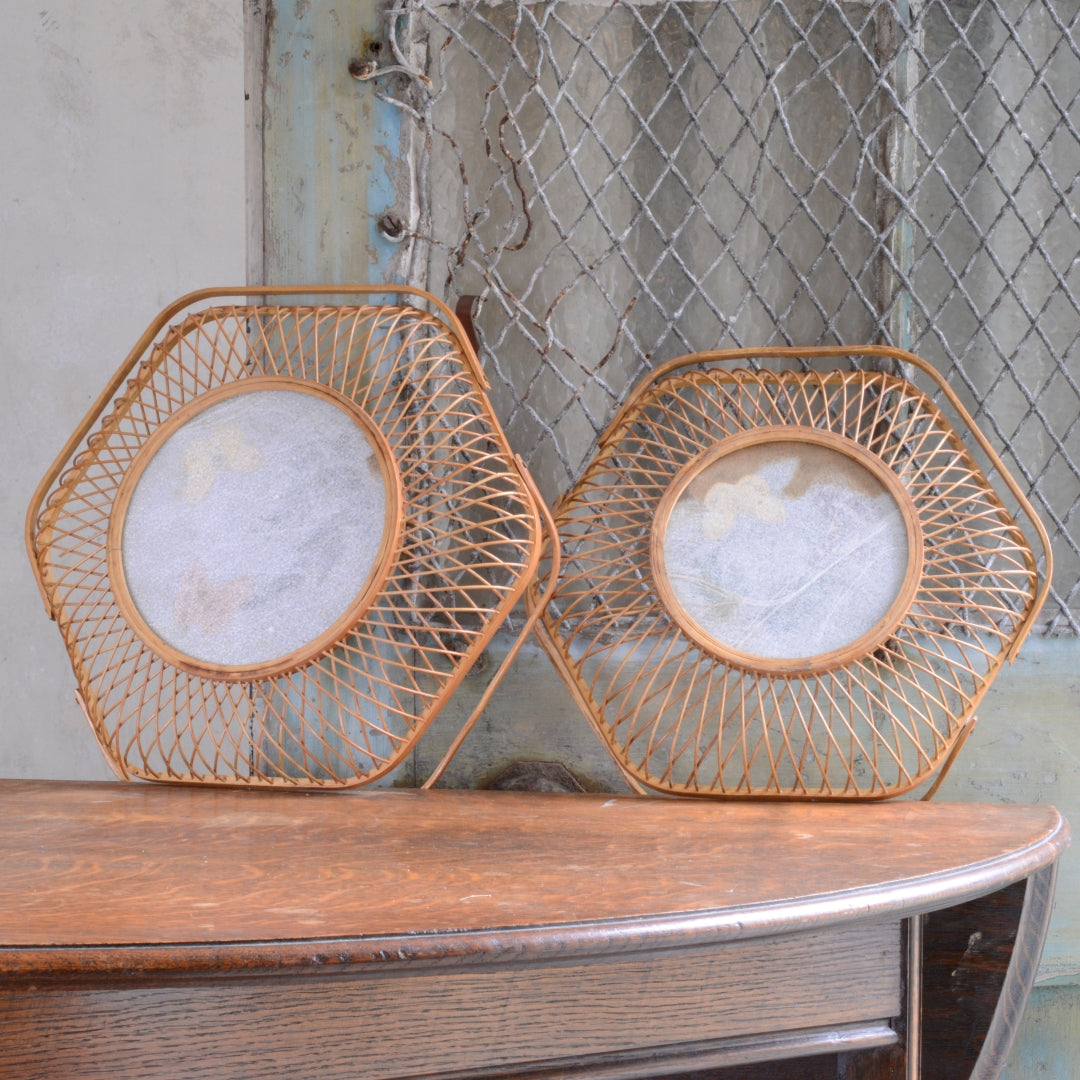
{"type": "Point", "coordinates": [254, 526]}
{"type": "Point", "coordinates": [786, 549]}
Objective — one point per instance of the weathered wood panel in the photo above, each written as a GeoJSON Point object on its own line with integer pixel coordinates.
{"type": "Point", "coordinates": [136, 874]}
{"type": "Point", "coordinates": [437, 1022]}
{"type": "Point", "coordinates": [149, 930]}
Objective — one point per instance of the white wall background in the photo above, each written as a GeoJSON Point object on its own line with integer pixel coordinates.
{"type": "Point", "coordinates": [122, 186]}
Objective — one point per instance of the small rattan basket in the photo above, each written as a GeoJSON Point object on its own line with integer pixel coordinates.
{"type": "Point", "coordinates": [785, 574]}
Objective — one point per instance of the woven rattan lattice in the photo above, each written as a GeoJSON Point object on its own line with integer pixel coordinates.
{"type": "Point", "coordinates": [788, 580]}
{"type": "Point", "coordinates": [282, 536]}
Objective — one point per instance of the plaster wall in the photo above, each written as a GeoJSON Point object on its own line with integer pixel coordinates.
{"type": "Point", "coordinates": [122, 186]}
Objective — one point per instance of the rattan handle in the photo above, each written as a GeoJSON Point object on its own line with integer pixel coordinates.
{"type": "Point", "coordinates": [547, 523]}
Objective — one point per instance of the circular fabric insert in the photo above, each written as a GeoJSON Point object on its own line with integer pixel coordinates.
{"type": "Point", "coordinates": [255, 526]}
{"type": "Point", "coordinates": [784, 551]}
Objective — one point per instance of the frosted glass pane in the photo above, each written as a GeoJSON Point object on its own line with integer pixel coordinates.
{"type": "Point", "coordinates": [785, 551]}
{"type": "Point", "coordinates": [255, 526]}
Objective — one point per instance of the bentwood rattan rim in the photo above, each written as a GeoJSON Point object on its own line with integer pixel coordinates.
{"type": "Point", "coordinates": [801, 435]}
{"type": "Point", "coordinates": [389, 542]}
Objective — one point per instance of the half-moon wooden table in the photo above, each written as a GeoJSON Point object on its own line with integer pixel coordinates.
{"type": "Point", "coordinates": [150, 931]}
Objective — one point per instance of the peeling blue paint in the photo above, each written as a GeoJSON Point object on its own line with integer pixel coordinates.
{"type": "Point", "coordinates": [386, 143]}
{"type": "Point", "coordinates": [328, 148]}
{"type": "Point", "coordinates": [1047, 1045]}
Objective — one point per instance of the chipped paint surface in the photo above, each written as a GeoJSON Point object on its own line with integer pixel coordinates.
{"type": "Point", "coordinates": [1026, 749]}
{"type": "Point", "coordinates": [329, 151]}
{"type": "Point", "coordinates": [1047, 1046]}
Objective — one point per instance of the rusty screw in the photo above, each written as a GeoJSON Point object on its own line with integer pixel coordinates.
{"type": "Point", "coordinates": [361, 68]}
{"type": "Point", "coordinates": [391, 226]}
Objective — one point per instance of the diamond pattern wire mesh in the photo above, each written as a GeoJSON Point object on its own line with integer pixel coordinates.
{"type": "Point", "coordinates": [622, 183]}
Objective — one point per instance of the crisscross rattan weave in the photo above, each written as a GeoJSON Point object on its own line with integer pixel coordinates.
{"type": "Point", "coordinates": [675, 711]}
{"type": "Point", "coordinates": [468, 539]}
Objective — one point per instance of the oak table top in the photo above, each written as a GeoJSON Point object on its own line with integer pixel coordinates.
{"type": "Point", "coordinates": [149, 878]}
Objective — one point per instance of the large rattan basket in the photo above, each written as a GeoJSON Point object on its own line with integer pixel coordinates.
{"type": "Point", "coordinates": [282, 536]}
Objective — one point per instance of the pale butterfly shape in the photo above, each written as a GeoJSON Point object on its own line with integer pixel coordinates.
{"type": "Point", "coordinates": [212, 606]}
{"type": "Point", "coordinates": [725, 503]}
{"type": "Point", "coordinates": [205, 458]}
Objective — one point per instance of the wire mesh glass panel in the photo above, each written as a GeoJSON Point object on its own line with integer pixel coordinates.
{"type": "Point", "coordinates": [622, 183]}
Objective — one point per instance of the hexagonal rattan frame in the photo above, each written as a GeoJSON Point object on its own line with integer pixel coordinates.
{"type": "Point", "coordinates": [684, 714]}
{"type": "Point", "coordinates": [466, 540]}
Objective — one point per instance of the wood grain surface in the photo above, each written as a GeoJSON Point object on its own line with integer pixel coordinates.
{"type": "Point", "coordinates": [142, 877]}
{"type": "Point", "coordinates": [174, 933]}
{"type": "Point", "coordinates": [468, 1019]}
